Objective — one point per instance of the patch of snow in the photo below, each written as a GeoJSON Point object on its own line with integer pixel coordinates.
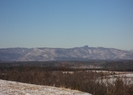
{"type": "Point", "coordinates": [126, 78]}
{"type": "Point", "coordinates": [17, 88]}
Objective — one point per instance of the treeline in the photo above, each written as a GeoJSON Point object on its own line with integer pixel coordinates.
{"type": "Point", "coordinates": [120, 65]}
{"type": "Point", "coordinates": [63, 76]}
{"type": "Point", "coordinates": [117, 65]}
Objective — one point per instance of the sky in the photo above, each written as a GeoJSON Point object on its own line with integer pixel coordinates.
{"type": "Point", "coordinates": [66, 23]}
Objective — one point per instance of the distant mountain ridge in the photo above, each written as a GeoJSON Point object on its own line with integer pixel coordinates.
{"type": "Point", "coordinates": [64, 54]}
{"type": "Point", "coordinates": [131, 50]}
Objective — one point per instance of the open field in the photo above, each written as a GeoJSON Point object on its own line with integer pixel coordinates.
{"type": "Point", "coordinates": [17, 88]}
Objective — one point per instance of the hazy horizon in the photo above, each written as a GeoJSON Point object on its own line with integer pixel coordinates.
{"type": "Point", "coordinates": [67, 47]}
{"type": "Point", "coordinates": [66, 23]}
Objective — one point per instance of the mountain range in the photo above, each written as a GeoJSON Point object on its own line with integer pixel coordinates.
{"type": "Point", "coordinates": [64, 54]}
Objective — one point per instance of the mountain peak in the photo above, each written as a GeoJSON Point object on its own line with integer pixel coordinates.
{"type": "Point", "coordinates": [86, 46]}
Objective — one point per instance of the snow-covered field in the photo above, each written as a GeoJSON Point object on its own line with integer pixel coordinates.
{"type": "Point", "coordinates": [126, 77]}
{"type": "Point", "coordinates": [17, 88]}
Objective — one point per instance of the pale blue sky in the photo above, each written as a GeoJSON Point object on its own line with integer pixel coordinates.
{"type": "Point", "coordinates": [66, 23]}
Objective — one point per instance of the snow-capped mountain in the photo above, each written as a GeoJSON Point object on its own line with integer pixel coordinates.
{"type": "Point", "coordinates": [54, 54]}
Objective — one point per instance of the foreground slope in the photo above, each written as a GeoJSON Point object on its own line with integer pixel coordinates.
{"type": "Point", "coordinates": [55, 54]}
{"type": "Point", "coordinates": [17, 88]}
